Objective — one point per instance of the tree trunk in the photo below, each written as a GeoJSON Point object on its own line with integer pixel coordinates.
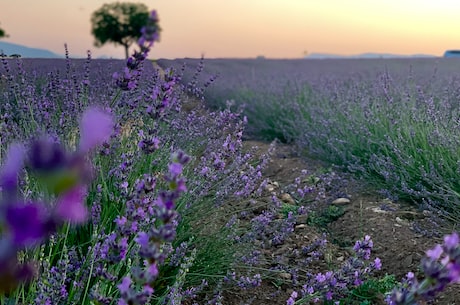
{"type": "Point", "coordinates": [126, 50]}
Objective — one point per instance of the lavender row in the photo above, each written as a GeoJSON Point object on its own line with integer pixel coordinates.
{"type": "Point", "coordinates": [110, 177]}
{"type": "Point", "coordinates": [393, 121]}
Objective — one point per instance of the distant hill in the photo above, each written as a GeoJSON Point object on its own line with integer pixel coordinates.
{"type": "Point", "coordinates": [364, 55]}
{"type": "Point", "coordinates": [12, 48]}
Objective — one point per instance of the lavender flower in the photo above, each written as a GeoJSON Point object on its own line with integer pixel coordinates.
{"type": "Point", "coordinates": [12, 166]}
{"type": "Point", "coordinates": [95, 128]}
{"type": "Point", "coordinates": [441, 267]}
{"type": "Point", "coordinates": [24, 223]}
{"type": "Point", "coordinates": [128, 80]}
{"type": "Point", "coordinates": [150, 241]}
{"type": "Point", "coordinates": [70, 206]}
{"type": "Point", "coordinates": [334, 285]}
{"type": "Point", "coordinates": [27, 223]}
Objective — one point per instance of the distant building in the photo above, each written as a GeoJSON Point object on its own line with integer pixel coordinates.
{"type": "Point", "coordinates": [452, 53]}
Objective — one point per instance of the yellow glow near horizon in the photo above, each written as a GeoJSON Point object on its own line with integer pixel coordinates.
{"type": "Point", "coordinates": [248, 28]}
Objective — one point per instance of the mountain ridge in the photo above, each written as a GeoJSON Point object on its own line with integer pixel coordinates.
{"type": "Point", "coordinates": [365, 55]}
{"type": "Point", "coordinates": [9, 49]}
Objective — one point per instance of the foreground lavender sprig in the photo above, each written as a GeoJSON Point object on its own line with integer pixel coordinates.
{"type": "Point", "coordinates": [150, 242]}
{"type": "Point", "coordinates": [441, 267]}
{"type": "Point", "coordinates": [26, 223]}
{"type": "Point", "coordinates": [128, 80]}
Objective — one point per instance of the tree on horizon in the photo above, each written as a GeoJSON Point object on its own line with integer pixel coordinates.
{"type": "Point", "coordinates": [119, 23]}
{"type": "Point", "coordinates": [3, 33]}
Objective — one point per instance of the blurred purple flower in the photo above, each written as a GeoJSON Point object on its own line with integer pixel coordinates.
{"type": "Point", "coordinates": [27, 223]}
{"type": "Point", "coordinates": [451, 241]}
{"type": "Point", "coordinates": [320, 277]}
{"type": "Point", "coordinates": [150, 32]}
{"type": "Point", "coordinates": [13, 164]}
{"type": "Point", "coordinates": [45, 154]}
{"type": "Point", "coordinates": [153, 270]}
{"type": "Point", "coordinates": [435, 253]}
{"type": "Point", "coordinates": [441, 267]}
{"type": "Point", "coordinates": [377, 263]}
{"type": "Point", "coordinates": [143, 239]}
{"type": "Point", "coordinates": [292, 298]}
{"type": "Point", "coordinates": [125, 284]}
{"type": "Point", "coordinates": [71, 207]}
{"type": "Point", "coordinates": [175, 169]}
{"type": "Point", "coordinates": [12, 274]}
{"type": "Point", "coordinates": [95, 128]}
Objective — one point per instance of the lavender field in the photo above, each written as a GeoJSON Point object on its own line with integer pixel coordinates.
{"type": "Point", "coordinates": [139, 183]}
{"type": "Point", "coordinates": [394, 122]}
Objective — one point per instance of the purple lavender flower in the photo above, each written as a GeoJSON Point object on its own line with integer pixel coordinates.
{"type": "Point", "coordinates": [162, 232]}
{"type": "Point", "coordinates": [28, 223]}
{"type": "Point", "coordinates": [125, 284]}
{"type": "Point", "coordinates": [96, 127]}
{"type": "Point", "coordinates": [128, 80]}
{"type": "Point", "coordinates": [292, 298]}
{"type": "Point", "coordinates": [71, 207]}
{"type": "Point", "coordinates": [12, 274]}
{"type": "Point", "coordinates": [150, 32]}
{"type": "Point", "coordinates": [13, 164]}
{"type": "Point", "coordinates": [363, 248]}
{"type": "Point", "coordinates": [45, 154]}
{"type": "Point", "coordinates": [333, 285]}
{"type": "Point", "coordinates": [441, 267]}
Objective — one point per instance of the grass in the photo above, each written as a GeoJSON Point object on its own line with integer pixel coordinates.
{"type": "Point", "coordinates": [371, 291]}
{"type": "Point", "coordinates": [321, 219]}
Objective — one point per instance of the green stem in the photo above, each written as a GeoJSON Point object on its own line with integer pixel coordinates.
{"type": "Point", "coordinates": [115, 98]}
{"type": "Point", "coordinates": [88, 282]}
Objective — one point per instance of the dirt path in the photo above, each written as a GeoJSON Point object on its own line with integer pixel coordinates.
{"type": "Point", "coordinates": [392, 227]}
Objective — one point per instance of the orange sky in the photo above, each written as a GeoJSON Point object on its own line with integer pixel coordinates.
{"type": "Point", "coordinates": [248, 28]}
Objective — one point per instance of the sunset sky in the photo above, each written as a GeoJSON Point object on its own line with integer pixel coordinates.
{"type": "Point", "coordinates": [248, 28]}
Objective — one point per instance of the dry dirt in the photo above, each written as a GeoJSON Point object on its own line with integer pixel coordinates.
{"type": "Point", "coordinates": [391, 226]}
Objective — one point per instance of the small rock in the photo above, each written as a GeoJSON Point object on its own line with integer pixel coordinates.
{"type": "Point", "coordinates": [341, 201]}
{"type": "Point", "coordinates": [301, 226]}
{"type": "Point", "coordinates": [379, 210]}
{"type": "Point", "coordinates": [271, 186]}
{"type": "Point", "coordinates": [401, 221]}
{"type": "Point", "coordinates": [427, 213]}
{"type": "Point", "coordinates": [285, 275]}
{"type": "Point", "coordinates": [285, 197]}
{"type": "Point", "coordinates": [409, 215]}
{"type": "Point", "coordinates": [407, 261]}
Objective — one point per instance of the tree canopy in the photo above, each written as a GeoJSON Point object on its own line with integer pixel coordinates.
{"type": "Point", "coordinates": [119, 23]}
{"type": "Point", "coordinates": [2, 33]}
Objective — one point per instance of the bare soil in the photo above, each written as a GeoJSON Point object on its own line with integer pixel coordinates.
{"type": "Point", "coordinates": [391, 225]}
